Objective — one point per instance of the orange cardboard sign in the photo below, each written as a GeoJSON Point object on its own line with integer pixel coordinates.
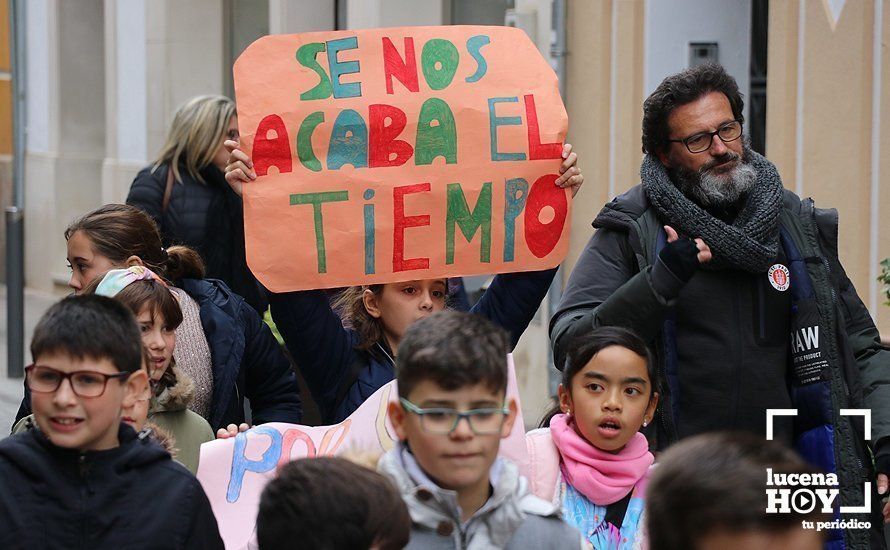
{"type": "Point", "coordinates": [385, 155]}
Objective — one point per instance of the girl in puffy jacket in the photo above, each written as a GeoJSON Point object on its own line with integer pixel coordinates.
{"type": "Point", "coordinates": [592, 458]}
{"type": "Point", "coordinates": [158, 315]}
{"type": "Point", "coordinates": [344, 363]}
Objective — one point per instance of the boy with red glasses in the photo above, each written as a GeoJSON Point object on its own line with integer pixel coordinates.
{"type": "Point", "coordinates": [81, 478]}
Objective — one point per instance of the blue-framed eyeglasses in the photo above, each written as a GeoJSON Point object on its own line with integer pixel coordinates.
{"type": "Point", "coordinates": [444, 421]}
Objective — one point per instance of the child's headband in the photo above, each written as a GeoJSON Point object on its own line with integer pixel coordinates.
{"type": "Point", "coordinates": [117, 279]}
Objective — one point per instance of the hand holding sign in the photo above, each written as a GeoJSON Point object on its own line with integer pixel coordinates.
{"type": "Point", "coordinates": [239, 169]}
{"type": "Point", "coordinates": [397, 154]}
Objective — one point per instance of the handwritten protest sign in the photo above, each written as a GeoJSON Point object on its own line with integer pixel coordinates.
{"type": "Point", "coordinates": [234, 471]}
{"type": "Point", "coordinates": [385, 155]}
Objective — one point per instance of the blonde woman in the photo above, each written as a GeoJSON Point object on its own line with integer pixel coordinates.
{"type": "Point", "coordinates": [185, 191]}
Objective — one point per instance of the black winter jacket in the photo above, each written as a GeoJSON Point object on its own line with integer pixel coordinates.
{"type": "Point", "coordinates": [247, 360]}
{"type": "Point", "coordinates": [207, 217]}
{"type": "Point", "coordinates": [341, 376]}
{"type": "Point", "coordinates": [611, 285]}
{"type": "Point", "coordinates": [132, 496]}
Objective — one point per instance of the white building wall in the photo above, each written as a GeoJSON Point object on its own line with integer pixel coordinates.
{"type": "Point", "coordinates": [131, 81]}
{"type": "Point", "coordinates": [364, 14]}
{"type": "Point", "coordinates": [294, 16]}
{"type": "Point", "coordinates": [39, 74]}
{"type": "Point", "coordinates": [671, 26]}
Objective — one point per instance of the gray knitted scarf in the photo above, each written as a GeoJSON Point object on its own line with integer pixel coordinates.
{"type": "Point", "coordinates": [750, 243]}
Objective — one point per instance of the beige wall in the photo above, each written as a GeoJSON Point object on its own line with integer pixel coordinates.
{"type": "Point", "coordinates": [825, 119]}
{"type": "Point", "coordinates": [5, 127]}
{"type": "Point", "coordinates": [604, 101]}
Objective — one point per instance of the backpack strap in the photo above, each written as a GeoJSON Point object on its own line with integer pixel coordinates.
{"type": "Point", "coordinates": [168, 190]}
{"type": "Point", "coordinates": [669, 342]}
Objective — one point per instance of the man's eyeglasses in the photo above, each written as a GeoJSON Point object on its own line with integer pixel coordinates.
{"type": "Point", "coordinates": [698, 143]}
{"type": "Point", "coordinates": [84, 383]}
{"type": "Point", "coordinates": [444, 421]}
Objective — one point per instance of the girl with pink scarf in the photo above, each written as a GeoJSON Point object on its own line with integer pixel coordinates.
{"type": "Point", "coordinates": [592, 459]}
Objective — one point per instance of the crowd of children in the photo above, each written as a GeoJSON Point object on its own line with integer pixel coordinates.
{"type": "Point", "coordinates": [148, 359]}
{"type": "Point", "coordinates": [81, 476]}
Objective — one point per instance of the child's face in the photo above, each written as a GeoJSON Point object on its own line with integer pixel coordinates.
{"type": "Point", "coordinates": [399, 305]}
{"type": "Point", "coordinates": [158, 338]}
{"type": "Point", "coordinates": [84, 423]}
{"type": "Point", "coordinates": [610, 398]}
{"type": "Point", "coordinates": [462, 459]}
{"type": "Point", "coordinates": [85, 263]}
{"type": "Point", "coordinates": [136, 415]}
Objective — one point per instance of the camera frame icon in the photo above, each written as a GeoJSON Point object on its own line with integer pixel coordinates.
{"type": "Point", "coordinates": [866, 416]}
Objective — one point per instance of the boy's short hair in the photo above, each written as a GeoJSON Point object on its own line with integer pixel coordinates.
{"type": "Point", "coordinates": [93, 327]}
{"type": "Point", "coordinates": [716, 483]}
{"type": "Point", "coordinates": [454, 350]}
{"type": "Point", "coordinates": [331, 503]}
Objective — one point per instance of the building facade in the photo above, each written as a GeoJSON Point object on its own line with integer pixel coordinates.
{"type": "Point", "coordinates": [104, 78]}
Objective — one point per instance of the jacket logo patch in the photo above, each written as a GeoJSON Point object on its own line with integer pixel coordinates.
{"type": "Point", "coordinates": [779, 277]}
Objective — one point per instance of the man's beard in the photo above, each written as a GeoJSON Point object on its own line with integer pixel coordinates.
{"type": "Point", "coordinates": [709, 189]}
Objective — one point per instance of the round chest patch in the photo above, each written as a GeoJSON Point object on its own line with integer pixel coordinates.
{"type": "Point", "coordinates": [779, 277]}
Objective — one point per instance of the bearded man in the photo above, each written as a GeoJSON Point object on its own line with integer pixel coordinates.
{"type": "Point", "coordinates": [736, 283]}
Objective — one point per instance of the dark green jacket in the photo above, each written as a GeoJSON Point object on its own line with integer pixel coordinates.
{"type": "Point", "coordinates": [611, 286]}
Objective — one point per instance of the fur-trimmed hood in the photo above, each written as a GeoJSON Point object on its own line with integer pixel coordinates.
{"type": "Point", "coordinates": [175, 397]}
{"type": "Point", "coordinates": [162, 437]}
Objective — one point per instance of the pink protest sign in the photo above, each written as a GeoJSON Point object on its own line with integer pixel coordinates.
{"type": "Point", "coordinates": [234, 471]}
{"type": "Point", "coordinates": [386, 155]}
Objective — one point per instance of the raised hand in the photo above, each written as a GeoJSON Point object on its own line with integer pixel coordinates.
{"type": "Point", "coordinates": [704, 251]}
{"type": "Point", "coordinates": [570, 174]}
{"type": "Point", "coordinates": [239, 169]}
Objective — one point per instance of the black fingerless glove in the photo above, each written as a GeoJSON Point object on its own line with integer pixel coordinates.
{"type": "Point", "coordinates": [676, 264]}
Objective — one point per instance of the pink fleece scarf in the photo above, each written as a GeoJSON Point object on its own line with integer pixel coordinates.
{"type": "Point", "coordinates": [601, 476]}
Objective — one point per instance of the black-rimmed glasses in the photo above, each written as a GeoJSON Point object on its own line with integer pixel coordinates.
{"type": "Point", "coordinates": [698, 143]}
{"type": "Point", "coordinates": [85, 383]}
{"type": "Point", "coordinates": [443, 421]}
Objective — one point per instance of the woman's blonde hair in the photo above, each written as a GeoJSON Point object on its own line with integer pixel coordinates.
{"type": "Point", "coordinates": [194, 136]}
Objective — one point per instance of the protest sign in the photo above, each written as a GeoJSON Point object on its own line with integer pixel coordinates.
{"type": "Point", "coordinates": [234, 471]}
{"type": "Point", "coordinates": [385, 155]}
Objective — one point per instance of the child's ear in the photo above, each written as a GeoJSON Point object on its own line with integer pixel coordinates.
{"type": "Point", "coordinates": [510, 418]}
{"type": "Point", "coordinates": [650, 409]}
{"type": "Point", "coordinates": [565, 399]}
{"type": "Point", "coordinates": [135, 388]}
{"type": "Point", "coordinates": [134, 261]}
{"type": "Point", "coordinates": [369, 299]}
{"type": "Point", "coordinates": [397, 417]}
{"type": "Point", "coordinates": [146, 393]}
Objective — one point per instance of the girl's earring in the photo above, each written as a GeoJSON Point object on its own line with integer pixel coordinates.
{"type": "Point", "coordinates": [645, 423]}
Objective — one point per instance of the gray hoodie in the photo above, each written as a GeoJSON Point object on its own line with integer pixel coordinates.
{"type": "Point", "coordinates": [512, 518]}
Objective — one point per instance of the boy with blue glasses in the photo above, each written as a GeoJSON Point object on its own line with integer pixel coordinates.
{"type": "Point", "coordinates": [450, 419]}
